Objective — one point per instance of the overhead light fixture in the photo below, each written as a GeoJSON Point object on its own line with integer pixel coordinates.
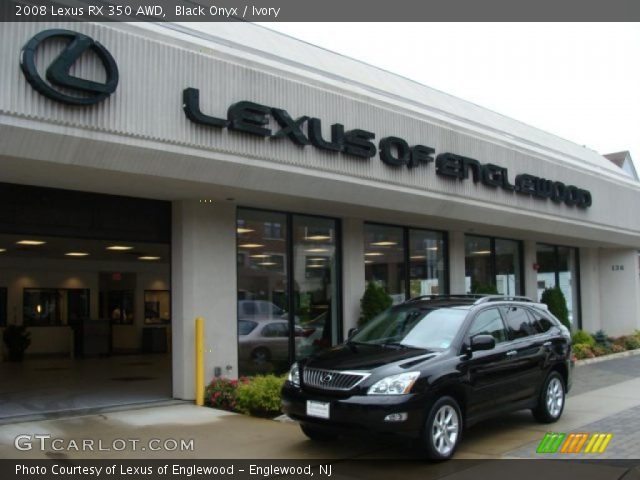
{"type": "Point", "coordinates": [418, 257]}
{"type": "Point", "coordinates": [3, 250]}
{"type": "Point", "coordinates": [260, 255]}
{"type": "Point", "coordinates": [368, 261]}
{"type": "Point", "coordinates": [76, 254]}
{"type": "Point", "coordinates": [119, 248]}
{"type": "Point", "coordinates": [318, 259]}
{"type": "Point", "coordinates": [267, 264]}
{"type": "Point", "coordinates": [481, 252]}
{"type": "Point", "coordinates": [31, 242]}
{"type": "Point", "coordinates": [432, 248]}
{"type": "Point", "coordinates": [316, 250]}
{"type": "Point", "coordinates": [244, 230]}
{"type": "Point", "coordinates": [315, 266]}
{"type": "Point", "coordinates": [148, 258]}
{"type": "Point", "coordinates": [384, 244]}
{"type": "Point", "coordinates": [374, 254]}
{"type": "Point", "coordinates": [251, 245]}
{"type": "Point", "coordinates": [318, 238]}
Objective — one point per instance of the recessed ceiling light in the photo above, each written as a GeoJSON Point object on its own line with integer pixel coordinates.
{"type": "Point", "coordinates": [267, 264]}
{"type": "Point", "coordinates": [432, 248]}
{"type": "Point", "coordinates": [373, 254]}
{"type": "Point", "coordinates": [318, 259]}
{"type": "Point", "coordinates": [244, 230]}
{"type": "Point", "coordinates": [119, 248]}
{"type": "Point", "coordinates": [384, 244]}
{"type": "Point", "coordinates": [318, 237]}
{"type": "Point", "coordinates": [316, 250]}
{"type": "Point", "coordinates": [418, 257]}
{"type": "Point", "coordinates": [31, 242]}
{"type": "Point", "coordinates": [260, 255]}
{"type": "Point", "coordinates": [3, 250]}
{"type": "Point", "coordinates": [251, 245]}
{"type": "Point", "coordinates": [481, 252]}
{"type": "Point", "coordinates": [148, 258]}
{"type": "Point", "coordinates": [315, 266]}
{"type": "Point", "coordinates": [368, 261]}
{"type": "Point", "coordinates": [76, 254]}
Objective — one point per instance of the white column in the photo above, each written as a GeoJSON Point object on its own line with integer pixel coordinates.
{"type": "Point", "coordinates": [353, 282]}
{"type": "Point", "coordinates": [203, 284]}
{"type": "Point", "coordinates": [590, 289]}
{"type": "Point", "coordinates": [619, 291]}
{"type": "Point", "coordinates": [456, 262]}
{"type": "Point", "coordinates": [530, 275]}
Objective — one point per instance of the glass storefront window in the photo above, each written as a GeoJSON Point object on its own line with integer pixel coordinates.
{"type": "Point", "coordinates": [557, 267]}
{"type": "Point", "coordinates": [427, 263]}
{"type": "Point", "coordinates": [157, 306]}
{"type": "Point", "coordinates": [315, 284]}
{"type": "Point", "coordinates": [493, 265]}
{"type": "Point", "coordinates": [54, 307]}
{"type": "Point", "coordinates": [288, 288]}
{"type": "Point", "coordinates": [384, 259]}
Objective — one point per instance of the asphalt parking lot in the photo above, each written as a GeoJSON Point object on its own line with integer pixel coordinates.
{"type": "Point", "coordinates": [605, 398]}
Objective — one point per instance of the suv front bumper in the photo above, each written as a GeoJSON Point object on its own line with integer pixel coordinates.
{"type": "Point", "coordinates": [358, 412]}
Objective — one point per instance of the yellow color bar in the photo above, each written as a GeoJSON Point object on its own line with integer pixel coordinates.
{"type": "Point", "coordinates": [199, 361]}
{"type": "Point", "coordinates": [594, 437]}
{"type": "Point", "coordinates": [605, 443]}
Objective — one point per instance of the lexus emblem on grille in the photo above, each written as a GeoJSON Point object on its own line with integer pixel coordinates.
{"type": "Point", "coordinates": [326, 378]}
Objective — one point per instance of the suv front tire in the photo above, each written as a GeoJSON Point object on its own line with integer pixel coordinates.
{"type": "Point", "coordinates": [552, 399]}
{"type": "Point", "coordinates": [443, 429]}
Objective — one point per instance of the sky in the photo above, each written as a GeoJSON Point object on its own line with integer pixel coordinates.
{"type": "Point", "coordinates": [580, 81]}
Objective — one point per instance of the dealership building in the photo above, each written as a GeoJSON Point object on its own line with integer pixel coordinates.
{"type": "Point", "coordinates": [154, 173]}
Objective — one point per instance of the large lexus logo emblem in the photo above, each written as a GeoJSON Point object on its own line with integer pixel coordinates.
{"type": "Point", "coordinates": [58, 73]}
{"type": "Point", "coordinates": [326, 378]}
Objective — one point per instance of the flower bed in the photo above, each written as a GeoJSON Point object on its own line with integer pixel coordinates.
{"type": "Point", "coordinates": [257, 396]}
{"type": "Point", "coordinates": [586, 345]}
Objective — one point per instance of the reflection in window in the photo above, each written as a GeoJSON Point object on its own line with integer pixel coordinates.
{"type": "Point", "coordinates": [384, 259]}
{"type": "Point", "coordinates": [427, 260]}
{"type": "Point", "coordinates": [270, 304]}
{"type": "Point", "coordinates": [157, 306]}
{"type": "Point", "coordinates": [493, 265]}
{"type": "Point", "coordinates": [121, 306]}
{"type": "Point", "coordinates": [54, 307]}
{"type": "Point", "coordinates": [557, 266]}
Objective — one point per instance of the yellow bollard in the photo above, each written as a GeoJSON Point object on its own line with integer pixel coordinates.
{"type": "Point", "coordinates": [199, 361]}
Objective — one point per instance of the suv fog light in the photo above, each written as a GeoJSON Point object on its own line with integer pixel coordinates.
{"type": "Point", "coordinates": [396, 417]}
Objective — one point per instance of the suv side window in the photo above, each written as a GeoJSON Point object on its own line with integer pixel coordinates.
{"type": "Point", "coordinates": [489, 322]}
{"type": "Point", "coordinates": [519, 323]}
{"type": "Point", "coordinates": [542, 322]}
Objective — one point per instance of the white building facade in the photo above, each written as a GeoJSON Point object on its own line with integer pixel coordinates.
{"type": "Point", "coordinates": [296, 176]}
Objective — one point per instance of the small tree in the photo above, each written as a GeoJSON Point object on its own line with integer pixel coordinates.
{"type": "Point", "coordinates": [374, 301]}
{"type": "Point", "coordinates": [554, 299]}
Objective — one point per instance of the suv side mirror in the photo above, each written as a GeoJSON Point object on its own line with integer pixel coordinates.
{"type": "Point", "coordinates": [352, 332]}
{"type": "Point", "coordinates": [483, 342]}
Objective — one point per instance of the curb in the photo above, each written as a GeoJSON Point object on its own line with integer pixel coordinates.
{"type": "Point", "coordinates": [604, 358]}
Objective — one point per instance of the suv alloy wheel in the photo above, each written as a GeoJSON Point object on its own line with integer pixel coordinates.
{"type": "Point", "coordinates": [442, 429]}
{"type": "Point", "coordinates": [552, 399]}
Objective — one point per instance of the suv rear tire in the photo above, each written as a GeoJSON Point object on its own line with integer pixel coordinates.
{"type": "Point", "coordinates": [442, 429]}
{"type": "Point", "coordinates": [317, 434]}
{"type": "Point", "coordinates": [552, 399]}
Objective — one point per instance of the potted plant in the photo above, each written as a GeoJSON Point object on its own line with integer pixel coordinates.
{"type": "Point", "coordinates": [17, 339]}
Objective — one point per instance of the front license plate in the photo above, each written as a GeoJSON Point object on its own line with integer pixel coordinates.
{"type": "Point", "coordinates": [318, 409]}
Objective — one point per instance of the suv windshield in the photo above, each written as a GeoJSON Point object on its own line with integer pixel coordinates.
{"type": "Point", "coordinates": [428, 328]}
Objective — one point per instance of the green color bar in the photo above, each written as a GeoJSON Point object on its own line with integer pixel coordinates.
{"type": "Point", "coordinates": [557, 443]}
{"type": "Point", "coordinates": [542, 448]}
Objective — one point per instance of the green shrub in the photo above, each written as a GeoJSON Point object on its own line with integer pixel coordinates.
{"type": "Point", "coordinates": [554, 299]}
{"type": "Point", "coordinates": [484, 289]}
{"type": "Point", "coordinates": [616, 348]}
{"type": "Point", "coordinates": [581, 351]}
{"type": "Point", "coordinates": [631, 342]}
{"type": "Point", "coordinates": [221, 393]}
{"type": "Point", "coordinates": [260, 396]}
{"type": "Point", "coordinates": [582, 337]}
{"type": "Point", "coordinates": [374, 301]}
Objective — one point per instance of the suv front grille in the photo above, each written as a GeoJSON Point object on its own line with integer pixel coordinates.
{"type": "Point", "coordinates": [331, 379]}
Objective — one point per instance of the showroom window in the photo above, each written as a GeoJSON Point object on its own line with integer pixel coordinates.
{"type": "Point", "coordinates": [559, 266]}
{"type": "Point", "coordinates": [46, 307]}
{"type": "Point", "coordinates": [493, 265]}
{"type": "Point", "coordinates": [288, 288]}
{"type": "Point", "coordinates": [406, 262]}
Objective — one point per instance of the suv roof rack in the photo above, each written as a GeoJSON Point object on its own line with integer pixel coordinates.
{"type": "Point", "coordinates": [479, 298]}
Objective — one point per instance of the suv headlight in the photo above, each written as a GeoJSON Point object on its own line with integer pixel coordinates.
{"type": "Point", "coordinates": [394, 385]}
{"type": "Point", "coordinates": [294, 375]}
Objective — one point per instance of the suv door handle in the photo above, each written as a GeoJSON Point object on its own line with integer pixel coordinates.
{"type": "Point", "coordinates": [511, 353]}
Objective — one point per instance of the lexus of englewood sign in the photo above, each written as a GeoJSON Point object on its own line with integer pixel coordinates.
{"type": "Point", "coordinates": [253, 118]}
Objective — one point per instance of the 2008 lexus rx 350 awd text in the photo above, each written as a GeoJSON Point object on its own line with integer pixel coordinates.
{"type": "Point", "coordinates": [433, 365]}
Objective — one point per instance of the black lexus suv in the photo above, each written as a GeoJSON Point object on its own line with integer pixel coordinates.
{"type": "Point", "coordinates": [433, 365]}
